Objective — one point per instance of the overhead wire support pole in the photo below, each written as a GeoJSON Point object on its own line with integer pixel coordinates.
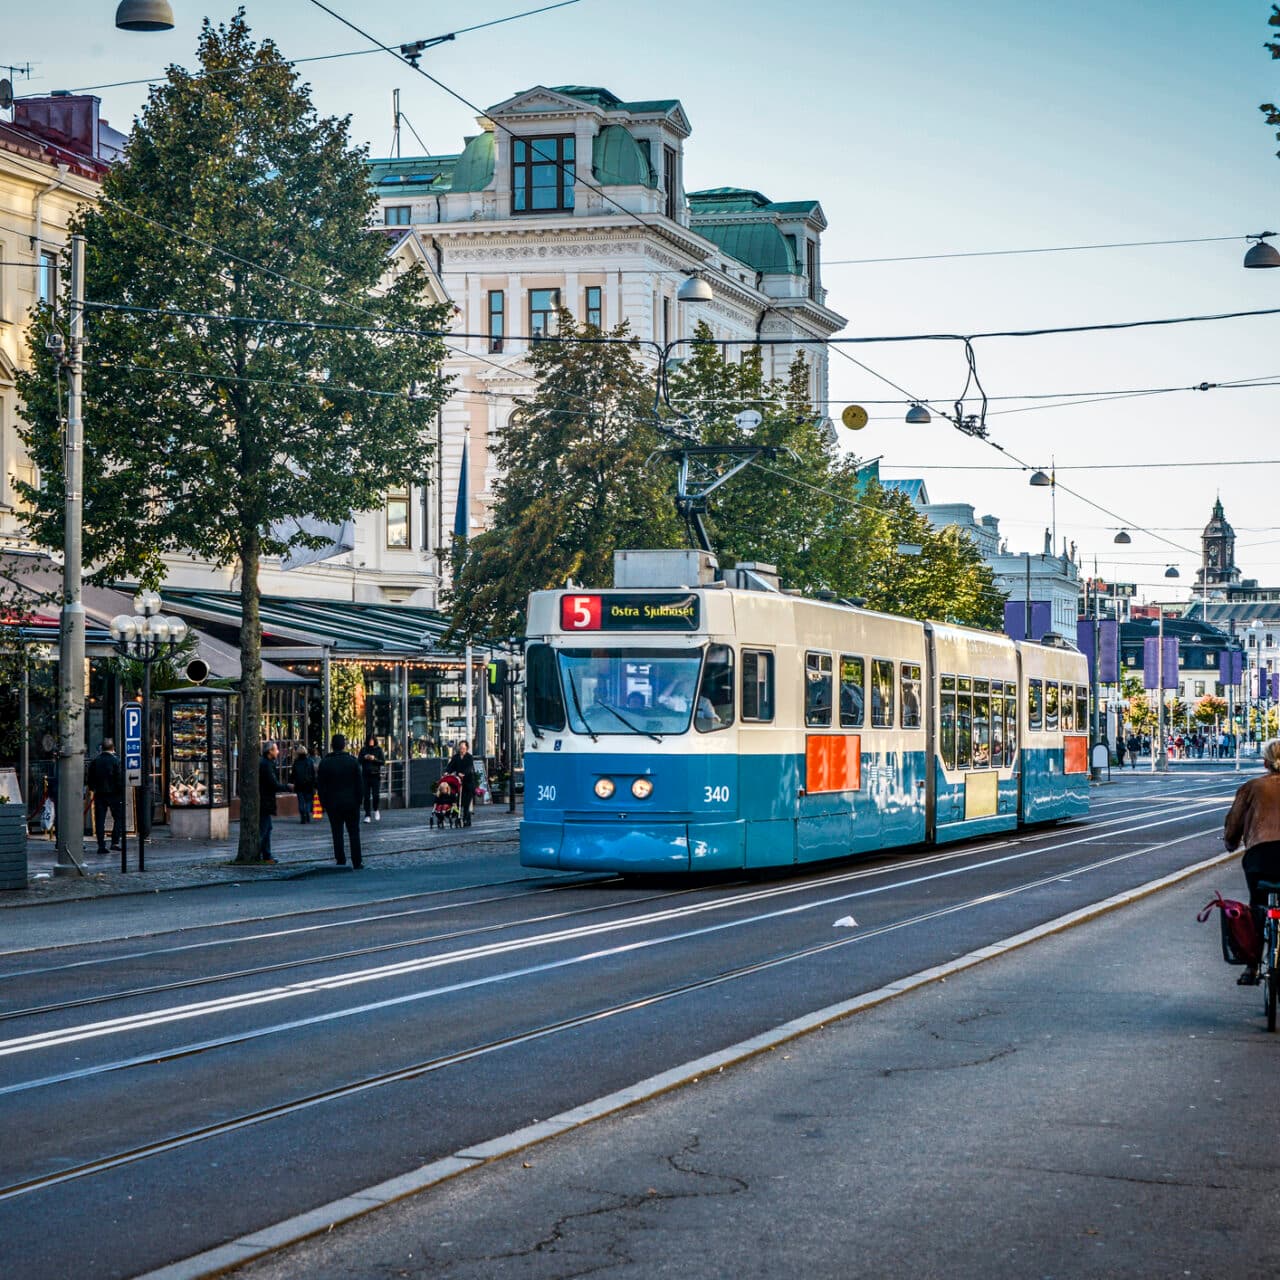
{"type": "Point", "coordinates": [71, 722]}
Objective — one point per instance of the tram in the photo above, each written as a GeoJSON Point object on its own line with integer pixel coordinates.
{"type": "Point", "coordinates": [692, 719]}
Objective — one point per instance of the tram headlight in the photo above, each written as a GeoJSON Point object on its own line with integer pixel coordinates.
{"type": "Point", "coordinates": [642, 788]}
{"type": "Point", "coordinates": [604, 788]}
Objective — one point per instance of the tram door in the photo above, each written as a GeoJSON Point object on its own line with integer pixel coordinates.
{"type": "Point", "coordinates": [769, 774]}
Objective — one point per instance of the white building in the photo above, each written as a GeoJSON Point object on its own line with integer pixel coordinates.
{"type": "Point", "coordinates": [570, 197]}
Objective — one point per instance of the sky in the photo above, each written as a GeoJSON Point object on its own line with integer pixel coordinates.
{"type": "Point", "coordinates": [924, 129]}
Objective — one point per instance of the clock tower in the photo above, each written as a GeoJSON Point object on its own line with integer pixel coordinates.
{"type": "Point", "coordinates": [1218, 552]}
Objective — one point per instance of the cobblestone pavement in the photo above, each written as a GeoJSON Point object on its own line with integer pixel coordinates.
{"type": "Point", "coordinates": [187, 864]}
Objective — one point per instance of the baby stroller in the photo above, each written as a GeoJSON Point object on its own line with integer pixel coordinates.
{"type": "Point", "coordinates": [446, 811]}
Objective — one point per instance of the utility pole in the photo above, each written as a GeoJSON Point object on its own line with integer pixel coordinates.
{"type": "Point", "coordinates": [71, 725]}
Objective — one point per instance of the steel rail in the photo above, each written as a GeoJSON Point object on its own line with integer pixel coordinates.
{"type": "Point", "coordinates": [415, 1070]}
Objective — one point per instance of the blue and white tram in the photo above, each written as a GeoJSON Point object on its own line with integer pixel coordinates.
{"type": "Point", "coordinates": [715, 728]}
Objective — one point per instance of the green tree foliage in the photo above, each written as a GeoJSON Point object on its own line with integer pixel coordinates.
{"type": "Point", "coordinates": [1269, 109]}
{"type": "Point", "coordinates": [1210, 709]}
{"type": "Point", "coordinates": [806, 510]}
{"type": "Point", "coordinates": [575, 482]}
{"type": "Point", "coordinates": [204, 427]}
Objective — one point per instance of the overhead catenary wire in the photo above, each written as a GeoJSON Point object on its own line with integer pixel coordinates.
{"type": "Point", "coordinates": [1009, 253]}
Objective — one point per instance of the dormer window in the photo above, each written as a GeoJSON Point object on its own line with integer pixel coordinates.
{"type": "Point", "coordinates": [542, 174]}
{"type": "Point", "coordinates": [671, 183]}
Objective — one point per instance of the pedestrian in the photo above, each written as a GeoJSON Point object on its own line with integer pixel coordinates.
{"type": "Point", "coordinates": [269, 786]}
{"type": "Point", "coordinates": [304, 783]}
{"type": "Point", "coordinates": [1119, 750]}
{"type": "Point", "coordinates": [104, 780]}
{"type": "Point", "coordinates": [340, 784]}
{"type": "Point", "coordinates": [1254, 821]}
{"type": "Point", "coordinates": [1135, 746]}
{"type": "Point", "coordinates": [463, 763]}
{"type": "Point", "coordinates": [372, 758]}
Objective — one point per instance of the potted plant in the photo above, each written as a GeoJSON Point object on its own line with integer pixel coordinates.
{"type": "Point", "coordinates": [13, 836]}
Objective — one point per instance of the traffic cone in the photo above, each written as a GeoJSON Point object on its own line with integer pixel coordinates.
{"type": "Point", "coordinates": [317, 810]}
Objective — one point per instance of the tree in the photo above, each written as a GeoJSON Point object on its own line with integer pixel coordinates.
{"type": "Point", "coordinates": [576, 482]}
{"type": "Point", "coordinates": [808, 512]}
{"type": "Point", "coordinates": [206, 426]}
{"type": "Point", "coordinates": [1209, 709]}
{"type": "Point", "coordinates": [1269, 109]}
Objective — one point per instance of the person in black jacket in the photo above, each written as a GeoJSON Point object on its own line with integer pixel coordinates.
{"type": "Point", "coordinates": [304, 783]}
{"type": "Point", "coordinates": [463, 763]}
{"type": "Point", "coordinates": [269, 786]}
{"type": "Point", "coordinates": [340, 785]}
{"type": "Point", "coordinates": [372, 758]}
{"type": "Point", "coordinates": [103, 779]}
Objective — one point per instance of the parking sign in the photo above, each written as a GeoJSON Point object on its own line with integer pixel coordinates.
{"type": "Point", "coordinates": [132, 744]}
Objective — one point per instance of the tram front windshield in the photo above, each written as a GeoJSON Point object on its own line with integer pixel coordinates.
{"type": "Point", "coordinates": [646, 691]}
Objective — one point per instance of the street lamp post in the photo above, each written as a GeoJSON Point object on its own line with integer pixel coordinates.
{"type": "Point", "coordinates": [146, 637]}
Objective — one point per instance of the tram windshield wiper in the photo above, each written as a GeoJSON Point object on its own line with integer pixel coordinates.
{"type": "Point", "coordinates": [631, 724]}
{"type": "Point", "coordinates": [577, 705]}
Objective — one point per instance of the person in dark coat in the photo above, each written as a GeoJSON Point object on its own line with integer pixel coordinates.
{"type": "Point", "coordinates": [340, 784]}
{"type": "Point", "coordinates": [463, 763]}
{"type": "Point", "coordinates": [372, 758]}
{"type": "Point", "coordinates": [103, 779]}
{"type": "Point", "coordinates": [269, 786]}
{"type": "Point", "coordinates": [304, 783]}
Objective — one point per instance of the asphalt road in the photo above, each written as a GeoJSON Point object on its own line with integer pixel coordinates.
{"type": "Point", "coordinates": [168, 1085]}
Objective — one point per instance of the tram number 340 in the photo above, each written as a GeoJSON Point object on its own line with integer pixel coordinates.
{"type": "Point", "coordinates": [546, 792]}
{"type": "Point", "coordinates": [715, 795]}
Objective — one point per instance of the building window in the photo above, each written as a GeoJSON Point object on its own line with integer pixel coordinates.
{"type": "Point", "coordinates": [398, 520]}
{"type": "Point", "coordinates": [397, 215]}
{"type": "Point", "coordinates": [669, 182]}
{"type": "Point", "coordinates": [666, 321]}
{"type": "Point", "coordinates": [1200, 688]}
{"type": "Point", "coordinates": [595, 308]}
{"type": "Point", "coordinates": [542, 172]}
{"type": "Point", "coordinates": [47, 278]}
{"type": "Point", "coordinates": [811, 266]}
{"type": "Point", "coordinates": [544, 306]}
{"type": "Point", "coordinates": [497, 319]}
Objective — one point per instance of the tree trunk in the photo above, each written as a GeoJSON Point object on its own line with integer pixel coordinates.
{"type": "Point", "coordinates": [250, 697]}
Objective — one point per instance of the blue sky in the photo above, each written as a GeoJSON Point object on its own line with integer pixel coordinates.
{"type": "Point", "coordinates": [924, 129]}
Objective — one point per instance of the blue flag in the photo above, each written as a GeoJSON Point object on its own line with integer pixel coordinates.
{"type": "Point", "coordinates": [462, 515]}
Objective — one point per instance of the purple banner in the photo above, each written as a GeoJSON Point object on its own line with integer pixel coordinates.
{"type": "Point", "coordinates": [1015, 619]}
{"type": "Point", "coordinates": [1084, 641]}
{"type": "Point", "coordinates": [1109, 651]}
{"type": "Point", "coordinates": [1153, 669]}
{"type": "Point", "coordinates": [1229, 666]}
{"type": "Point", "coordinates": [1275, 688]}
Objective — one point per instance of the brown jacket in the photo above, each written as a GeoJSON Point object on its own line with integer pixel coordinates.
{"type": "Point", "coordinates": [1255, 815]}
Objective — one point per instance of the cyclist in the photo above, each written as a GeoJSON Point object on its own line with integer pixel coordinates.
{"type": "Point", "coordinates": [1254, 821]}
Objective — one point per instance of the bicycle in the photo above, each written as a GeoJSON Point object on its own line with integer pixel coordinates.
{"type": "Point", "coordinates": [1269, 962]}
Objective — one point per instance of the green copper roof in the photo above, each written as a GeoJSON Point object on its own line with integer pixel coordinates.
{"type": "Point", "coordinates": [759, 244]}
{"type": "Point", "coordinates": [390, 174]}
{"type": "Point", "coordinates": [618, 160]}
{"type": "Point", "coordinates": [727, 200]}
{"type": "Point", "coordinates": [474, 170]}
{"type": "Point", "coordinates": [589, 93]}
{"type": "Point", "coordinates": [602, 98]}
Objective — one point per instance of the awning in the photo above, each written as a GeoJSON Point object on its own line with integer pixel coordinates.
{"type": "Point", "coordinates": [346, 628]}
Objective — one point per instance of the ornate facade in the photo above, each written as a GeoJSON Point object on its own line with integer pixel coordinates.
{"type": "Point", "coordinates": [570, 197]}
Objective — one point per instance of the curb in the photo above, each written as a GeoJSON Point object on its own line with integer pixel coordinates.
{"type": "Point", "coordinates": [236, 1253]}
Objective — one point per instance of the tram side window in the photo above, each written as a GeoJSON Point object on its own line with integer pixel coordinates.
{"type": "Point", "coordinates": [997, 727]}
{"type": "Point", "coordinates": [1050, 705]}
{"type": "Point", "coordinates": [714, 708]}
{"type": "Point", "coordinates": [1082, 707]}
{"type": "Point", "coordinates": [545, 702]}
{"type": "Point", "coordinates": [852, 697]}
{"type": "Point", "coordinates": [910, 695]}
{"type": "Point", "coordinates": [964, 726]}
{"type": "Point", "coordinates": [882, 693]}
{"type": "Point", "coordinates": [1010, 730]}
{"type": "Point", "coordinates": [981, 728]}
{"type": "Point", "coordinates": [817, 689]}
{"type": "Point", "coordinates": [1035, 704]}
{"type": "Point", "coordinates": [757, 685]}
{"type": "Point", "coordinates": [1068, 709]}
{"type": "Point", "coordinates": [947, 721]}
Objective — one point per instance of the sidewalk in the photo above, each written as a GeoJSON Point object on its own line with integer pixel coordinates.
{"type": "Point", "coordinates": [1079, 1107]}
{"type": "Point", "coordinates": [403, 834]}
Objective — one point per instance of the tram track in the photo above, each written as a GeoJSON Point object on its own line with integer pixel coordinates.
{"type": "Point", "coordinates": [426, 1066]}
{"type": "Point", "coordinates": [806, 884]}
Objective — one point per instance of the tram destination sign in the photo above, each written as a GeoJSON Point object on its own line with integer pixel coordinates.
{"type": "Point", "coordinates": [648, 612]}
